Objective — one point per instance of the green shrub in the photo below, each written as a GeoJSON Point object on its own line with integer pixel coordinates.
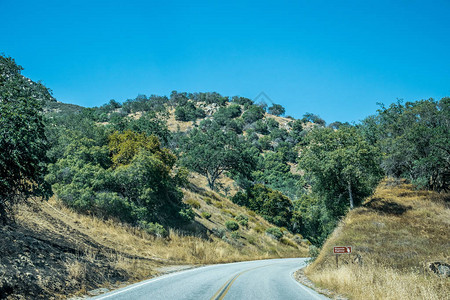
{"type": "Point", "coordinates": [187, 214]}
{"type": "Point", "coordinates": [232, 225]}
{"type": "Point", "coordinates": [194, 203]}
{"type": "Point", "coordinates": [219, 231]}
{"type": "Point", "coordinates": [206, 215]}
{"type": "Point", "coordinates": [313, 252]}
{"type": "Point", "coordinates": [288, 242]}
{"type": "Point", "coordinates": [274, 232]}
{"type": "Point", "coordinates": [153, 229]}
{"type": "Point", "coordinates": [235, 235]}
{"type": "Point", "coordinates": [207, 200]}
{"type": "Point", "coordinates": [242, 220]}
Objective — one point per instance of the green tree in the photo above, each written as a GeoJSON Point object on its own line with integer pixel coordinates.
{"type": "Point", "coordinates": [271, 204]}
{"type": "Point", "coordinates": [414, 140]}
{"type": "Point", "coordinates": [214, 151]}
{"type": "Point", "coordinates": [138, 183]}
{"type": "Point", "coordinates": [253, 114]}
{"type": "Point", "coordinates": [125, 146]}
{"type": "Point", "coordinates": [277, 110]}
{"type": "Point", "coordinates": [274, 172]}
{"type": "Point", "coordinates": [343, 166]}
{"type": "Point", "coordinates": [23, 143]}
{"type": "Point", "coordinates": [310, 117]}
{"type": "Point", "coordinates": [188, 112]}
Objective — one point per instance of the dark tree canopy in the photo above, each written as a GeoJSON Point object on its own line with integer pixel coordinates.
{"type": "Point", "coordinates": [277, 110]}
{"type": "Point", "coordinates": [213, 151]}
{"type": "Point", "coordinates": [414, 138]}
{"type": "Point", "coordinates": [310, 117]}
{"type": "Point", "coordinates": [343, 166]}
{"type": "Point", "coordinates": [23, 143]}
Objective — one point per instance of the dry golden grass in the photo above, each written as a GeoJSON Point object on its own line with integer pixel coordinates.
{"type": "Point", "coordinates": [397, 233]}
{"type": "Point", "coordinates": [375, 281]}
{"type": "Point", "coordinates": [141, 255]}
{"type": "Point", "coordinates": [174, 125]}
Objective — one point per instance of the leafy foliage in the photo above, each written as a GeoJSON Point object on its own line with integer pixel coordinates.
{"type": "Point", "coordinates": [134, 184]}
{"type": "Point", "coordinates": [414, 138]}
{"type": "Point", "coordinates": [277, 110]}
{"type": "Point", "coordinates": [231, 225]}
{"type": "Point", "coordinates": [275, 232]}
{"type": "Point", "coordinates": [154, 229]}
{"type": "Point", "coordinates": [214, 151]}
{"type": "Point", "coordinates": [125, 146]}
{"type": "Point", "coordinates": [272, 205]}
{"type": "Point", "coordinates": [310, 117]}
{"type": "Point", "coordinates": [343, 167]}
{"type": "Point", "coordinates": [23, 143]}
{"type": "Point", "coordinates": [253, 114]}
{"type": "Point", "coordinates": [188, 112]}
{"type": "Point", "coordinates": [242, 220]}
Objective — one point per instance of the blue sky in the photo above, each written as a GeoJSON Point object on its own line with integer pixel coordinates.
{"type": "Point", "coordinates": [333, 58]}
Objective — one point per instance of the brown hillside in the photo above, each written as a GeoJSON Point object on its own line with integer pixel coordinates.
{"type": "Point", "coordinates": [397, 233]}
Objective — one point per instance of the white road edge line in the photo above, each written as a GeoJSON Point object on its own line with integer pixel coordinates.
{"type": "Point", "coordinates": [304, 287]}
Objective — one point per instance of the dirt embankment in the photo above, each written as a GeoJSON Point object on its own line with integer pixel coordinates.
{"type": "Point", "coordinates": [36, 263]}
{"type": "Point", "coordinates": [397, 234]}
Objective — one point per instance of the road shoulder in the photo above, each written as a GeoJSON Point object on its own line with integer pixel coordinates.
{"type": "Point", "coordinates": [300, 277]}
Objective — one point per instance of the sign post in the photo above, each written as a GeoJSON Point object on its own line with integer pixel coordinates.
{"type": "Point", "coordinates": [341, 250]}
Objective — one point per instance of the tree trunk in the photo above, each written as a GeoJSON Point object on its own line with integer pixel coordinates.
{"type": "Point", "coordinates": [350, 194]}
{"type": "Point", "coordinates": [211, 182]}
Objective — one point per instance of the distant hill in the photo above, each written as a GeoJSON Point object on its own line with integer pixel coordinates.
{"type": "Point", "coordinates": [61, 108]}
{"type": "Point", "coordinates": [204, 177]}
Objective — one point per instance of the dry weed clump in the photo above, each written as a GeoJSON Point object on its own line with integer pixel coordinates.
{"type": "Point", "coordinates": [397, 232]}
{"type": "Point", "coordinates": [76, 270]}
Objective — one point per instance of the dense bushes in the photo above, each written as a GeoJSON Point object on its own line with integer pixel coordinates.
{"type": "Point", "coordinates": [231, 225]}
{"type": "Point", "coordinates": [23, 144]}
{"type": "Point", "coordinates": [188, 112]}
{"type": "Point", "coordinates": [274, 232]}
{"type": "Point", "coordinates": [112, 164]}
{"type": "Point", "coordinates": [414, 138]}
{"type": "Point", "coordinates": [131, 178]}
{"type": "Point", "coordinates": [271, 204]}
{"type": "Point", "coordinates": [253, 114]}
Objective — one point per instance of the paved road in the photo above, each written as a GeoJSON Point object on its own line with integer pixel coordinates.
{"type": "Point", "coordinates": [261, 279]}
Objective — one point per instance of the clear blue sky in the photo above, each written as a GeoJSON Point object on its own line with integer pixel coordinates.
{"type": "Point", "coordinates": [332, 58]}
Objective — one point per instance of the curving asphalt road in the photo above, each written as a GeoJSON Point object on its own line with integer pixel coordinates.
{"type": "Point", "coordinates": [260, 279]}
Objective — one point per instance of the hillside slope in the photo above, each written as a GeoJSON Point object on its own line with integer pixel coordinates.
{"type": "Point", "coordinates": [87, 252]}
{"type": "Point", "coordinates": [397, 233]}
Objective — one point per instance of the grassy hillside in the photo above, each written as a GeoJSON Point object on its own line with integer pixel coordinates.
{"type": "Point", "coordinates": [87, 252]}
{"type": "Point", "coordinates": [397, 232]}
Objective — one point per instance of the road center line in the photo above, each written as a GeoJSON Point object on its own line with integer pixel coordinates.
{"type": "Point", "coordinates": [220, 294]}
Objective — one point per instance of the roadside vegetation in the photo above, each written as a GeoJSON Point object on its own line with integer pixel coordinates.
{"type": "Point", "coordinates": [396, 234]}
{"type": "Point", "coordinates": [201, 177]}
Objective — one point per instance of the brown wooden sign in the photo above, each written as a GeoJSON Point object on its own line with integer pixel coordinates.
{"type": "Point", "coordinates": [342, 250]}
